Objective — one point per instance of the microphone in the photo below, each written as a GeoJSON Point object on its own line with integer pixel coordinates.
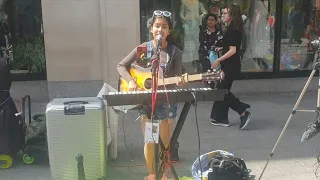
{"type": "Point", "coordinates": [159, 40]}
{"type": "Point", "coordinates": [156, 57]}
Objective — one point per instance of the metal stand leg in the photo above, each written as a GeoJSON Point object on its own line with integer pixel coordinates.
{"type": "Point", "coordinates": [164, 159]}
{"type": "Point", "coordinates": [316, 66]}
{"type": "Point", "coordinates": [174, 144]}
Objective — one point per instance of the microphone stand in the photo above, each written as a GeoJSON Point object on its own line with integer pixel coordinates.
{"type": "Point", "coordinates": [159, 171]}
{"type": "Point", "coordinates": [155, 70]}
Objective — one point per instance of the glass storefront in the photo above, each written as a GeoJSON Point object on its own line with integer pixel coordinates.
{"type": "Point", "coordinates": [269, 45]}
{"type": "Point", "coordinates": [258, 37]}
{"type": "Point", "coordinates": [300, 26]}
{"type": "Point", "coordinates": [21, 38]}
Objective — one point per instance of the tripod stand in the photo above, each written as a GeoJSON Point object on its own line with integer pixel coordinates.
{"type": "Point", "coordinates": [317, 110]}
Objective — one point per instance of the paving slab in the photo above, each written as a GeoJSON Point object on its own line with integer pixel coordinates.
{"type": "Point", "coordinates": [292, 159]}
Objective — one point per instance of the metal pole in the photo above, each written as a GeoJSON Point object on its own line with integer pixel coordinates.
{"type": "Point", "coordinates": [292, 113]}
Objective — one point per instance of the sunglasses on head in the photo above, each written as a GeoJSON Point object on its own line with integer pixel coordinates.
{"type": "Point", "coordinates": [162, 13]}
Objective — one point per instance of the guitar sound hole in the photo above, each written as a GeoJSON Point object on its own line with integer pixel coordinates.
{"type": "Point", "coordinates": [148, 83]}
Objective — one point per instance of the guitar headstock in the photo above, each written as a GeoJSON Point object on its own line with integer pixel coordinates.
{"type": "Point", "coordinates": [213, 75]}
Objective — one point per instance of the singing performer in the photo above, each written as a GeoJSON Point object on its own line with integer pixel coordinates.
{"type": "Point", "coordinates": [231, 65]}
{"type": "Point", "coordinates": [171, 64]}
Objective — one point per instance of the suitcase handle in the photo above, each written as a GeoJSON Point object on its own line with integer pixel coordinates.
{"type": "Point", "coordinates": [77, 109]}
{"type": "Point", "coordinates": [27, 97]}
{"type": "Point", "coordinates": [75, 102]}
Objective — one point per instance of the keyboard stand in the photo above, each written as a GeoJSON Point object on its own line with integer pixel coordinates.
{"type": "Point", "coordinates": [174, 144]}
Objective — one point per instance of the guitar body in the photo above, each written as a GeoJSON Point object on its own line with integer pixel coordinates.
{"type": "Point", "coordinates": [142, 76]}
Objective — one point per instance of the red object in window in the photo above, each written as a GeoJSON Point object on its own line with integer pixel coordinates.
{"type": "Point", "coordinates": [270, 21]}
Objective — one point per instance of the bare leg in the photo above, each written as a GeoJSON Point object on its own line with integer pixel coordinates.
{"type": "Point", "coordinates": [165, 127]}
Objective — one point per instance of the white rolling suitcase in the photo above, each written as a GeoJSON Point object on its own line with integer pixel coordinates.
{"type": "Point", "coordinates": [76, 126]}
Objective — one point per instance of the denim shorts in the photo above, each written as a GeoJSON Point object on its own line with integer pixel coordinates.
{"type": "Point", "coordinates": [161, 111]}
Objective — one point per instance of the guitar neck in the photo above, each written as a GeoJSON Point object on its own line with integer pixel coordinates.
{"type": "Point", "coordinates": [174, 80]}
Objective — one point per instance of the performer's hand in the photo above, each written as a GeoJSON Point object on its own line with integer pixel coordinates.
{"type": "Point", "coordinates": [132, 85]}
{"type": "Point", "coordinates": [180, 82]}
{"type": "Point", "coordinates": [215, 64]}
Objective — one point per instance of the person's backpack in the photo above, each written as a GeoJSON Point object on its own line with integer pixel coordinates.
{"type": "Point", "coordinates": [227, 168]}
{"type": "Point", "coordinates": [220, 165]}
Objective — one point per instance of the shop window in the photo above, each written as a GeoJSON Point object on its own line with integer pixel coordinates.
{"type": "Point", "coordinates": [301, 25]}
{"type": "Point", "coordinates": [259, 22]}
{"type": "Point", "coordinates": [259, 32]}
{"type": "Point", "coordinates": [22, 36]}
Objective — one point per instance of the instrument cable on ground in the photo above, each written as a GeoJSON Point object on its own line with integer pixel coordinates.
{"type": "Point", "coordinates": [197, 125]}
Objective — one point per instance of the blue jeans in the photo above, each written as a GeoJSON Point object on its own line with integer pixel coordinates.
{"type": "Point", "coordinates": [161, 111]}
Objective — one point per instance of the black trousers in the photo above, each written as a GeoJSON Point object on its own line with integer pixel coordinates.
{"type": "Point", "coordinates": [205, 64]}
{"type": "Point", "coordinates": [220, 109]}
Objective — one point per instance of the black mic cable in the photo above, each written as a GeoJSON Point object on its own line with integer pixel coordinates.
{"type": "Point", "coordinates": [197, 125]}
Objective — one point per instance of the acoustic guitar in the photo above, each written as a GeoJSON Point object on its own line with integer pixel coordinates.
{"type": "Point", "coordinates": [143, 78]}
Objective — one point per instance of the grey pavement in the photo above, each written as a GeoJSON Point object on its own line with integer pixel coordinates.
{"type": "Point", "coordinates": [292, 159]}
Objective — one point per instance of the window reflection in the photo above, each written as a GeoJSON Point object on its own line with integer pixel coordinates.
{"type": "Point", "coordinates": [301, 20]}
{"type": "Point", "coordinates": [188, 16]}
{"type": "Point", "coordinates": [191, 13]}
{"type": "Point", "coordinates": [21, 35]}
{"type": "Point", "coordinates": [258, 39]}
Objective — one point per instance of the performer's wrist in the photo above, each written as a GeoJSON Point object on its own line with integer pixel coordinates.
{"type": "Point", "coordinates": [132, 81]}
